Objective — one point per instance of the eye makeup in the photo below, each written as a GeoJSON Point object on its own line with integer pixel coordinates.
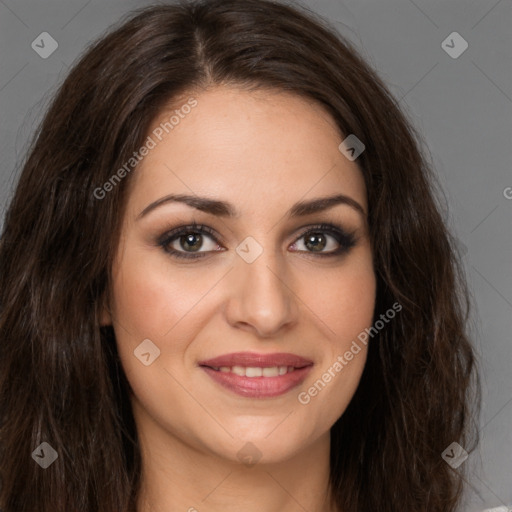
{"type": "Point", "coordinates": [194, 232]}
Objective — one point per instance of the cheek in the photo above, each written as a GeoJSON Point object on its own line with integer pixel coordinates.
{"type": "Point", "coordinates": [151, 298]}
{"type": "Point", "coordinates": [346, 302]}
{"type": "Point", "coordinates": [148, 304]}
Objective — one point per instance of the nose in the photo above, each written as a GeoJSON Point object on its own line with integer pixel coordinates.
{"type": "Point", "coordinates": [261, 297]}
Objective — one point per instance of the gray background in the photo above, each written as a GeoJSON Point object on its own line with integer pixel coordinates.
{"type": "Point", "coordinates": [462, 106]}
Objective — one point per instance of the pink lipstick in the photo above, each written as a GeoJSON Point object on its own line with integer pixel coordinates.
{"type": "Point", "coordinates": [258, 375]}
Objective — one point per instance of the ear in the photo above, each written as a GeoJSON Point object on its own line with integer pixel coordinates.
{"type": "Point", "coordinates": [105, 315]}
{"type": "Point", "coordinates": [105, 318]}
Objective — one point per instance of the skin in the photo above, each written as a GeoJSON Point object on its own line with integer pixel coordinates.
{"type": "Point", "coordinates": [262, 152]}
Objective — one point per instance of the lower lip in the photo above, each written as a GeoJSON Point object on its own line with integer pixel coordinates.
{"type": "Point", "coordinates": [259, 387]}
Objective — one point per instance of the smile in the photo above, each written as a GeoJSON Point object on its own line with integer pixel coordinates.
{"type": "Point", "coordinates": [255, 371]}
{"type": "Point", "coordinates": [257, 375]}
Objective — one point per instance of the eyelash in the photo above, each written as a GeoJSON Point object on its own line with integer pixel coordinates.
{"type": "Point", "coordinates": [346, 240]}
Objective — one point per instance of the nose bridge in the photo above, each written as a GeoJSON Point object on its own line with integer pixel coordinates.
{"type": "Point", "coordinates": [260, 295]}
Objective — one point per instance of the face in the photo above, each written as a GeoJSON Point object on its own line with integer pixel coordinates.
{"type": "Point", "coordinates": [278, 292]}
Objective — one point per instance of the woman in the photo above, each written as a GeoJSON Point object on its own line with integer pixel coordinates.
{"type": "Point", "coordinates": [226, 283]}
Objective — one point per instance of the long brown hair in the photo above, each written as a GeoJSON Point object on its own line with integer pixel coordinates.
{"type": "Point", "coordinates": [60, 377]}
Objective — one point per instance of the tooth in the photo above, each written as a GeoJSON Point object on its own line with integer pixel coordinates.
{"type": "Point", "coordinates": [238, 370]}
{"type": "Point", "coordinates": [271, 372]}
{"type": "Point", "coordinates": [253, 372]}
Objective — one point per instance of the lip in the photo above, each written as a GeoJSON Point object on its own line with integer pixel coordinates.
{"type": "Point", "coordinates": [258, 387]}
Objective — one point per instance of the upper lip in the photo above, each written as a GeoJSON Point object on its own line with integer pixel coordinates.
{"type": "Point", "coordinates": [252, 359]}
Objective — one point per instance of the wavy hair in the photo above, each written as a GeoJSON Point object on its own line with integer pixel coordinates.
{"type": "Point", "coordinates": [60, 376]}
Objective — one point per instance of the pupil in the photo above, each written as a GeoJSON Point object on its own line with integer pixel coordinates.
{"type": "Point", "coordinates": [189, 239]}
{"type": "Point", "coordinates": [316, 240]}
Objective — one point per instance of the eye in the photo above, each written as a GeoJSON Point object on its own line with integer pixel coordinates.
{"type": "Point", "coordinates": [325, 236]}
{"type": "Point", "coordinates": [186, 241]}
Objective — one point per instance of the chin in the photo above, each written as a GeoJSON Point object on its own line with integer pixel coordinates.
{"type": "Point", "coordinates": [268, 447]}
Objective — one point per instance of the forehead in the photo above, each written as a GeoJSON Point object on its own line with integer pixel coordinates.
{"type": "Point", "coordinates": [246, 146]}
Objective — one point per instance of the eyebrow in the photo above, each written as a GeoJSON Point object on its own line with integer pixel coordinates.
{"type": "Point", "coordinates": [224, 209]}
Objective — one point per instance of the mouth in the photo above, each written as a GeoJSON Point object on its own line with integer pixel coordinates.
{"type": "Point", "coordinates": [257, 375]}
{"type": "Point", "coordinates": [254, 371]}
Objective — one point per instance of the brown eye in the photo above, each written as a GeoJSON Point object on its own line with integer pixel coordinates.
{"type": "Point", "coordinates": [325, 240]}
{"type": "Point", "coordinates": [187, 242]}
{"type": "Point", "coordinates": [316, 242]}
{"type": "Point", "coordinates": [192, 241]}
